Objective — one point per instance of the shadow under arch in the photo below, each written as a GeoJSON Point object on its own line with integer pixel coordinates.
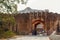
{"type": "Point", "coordinates": [58, 29]}
{"type": "Point", "coordinates": [36, 25]}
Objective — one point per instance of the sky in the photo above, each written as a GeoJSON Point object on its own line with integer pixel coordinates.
{"type": "Point", "coordinates": [51, 5]}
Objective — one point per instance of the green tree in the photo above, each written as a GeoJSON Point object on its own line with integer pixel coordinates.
{"type": "Point", "coordinates": [6, 20]}
{"type": "Point", "coordinates": [10, 6]}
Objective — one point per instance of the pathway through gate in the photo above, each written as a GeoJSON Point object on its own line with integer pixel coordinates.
{"type": "Point", "coordinates": [32, 38]}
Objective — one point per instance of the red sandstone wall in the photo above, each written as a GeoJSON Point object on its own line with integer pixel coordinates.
{"type": "Point", "coordinates": [24, 21]}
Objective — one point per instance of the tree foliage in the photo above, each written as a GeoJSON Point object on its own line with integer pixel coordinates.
{"type": "Point", "coordinates": [6, 20]}
{"type": "Point", "coordinates": [10, 6]}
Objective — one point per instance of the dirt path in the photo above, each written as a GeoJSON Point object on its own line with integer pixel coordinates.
{"type": "Point", "coordinates": [31, 38]}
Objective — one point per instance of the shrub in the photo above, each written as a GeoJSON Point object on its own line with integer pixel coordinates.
{"type": "Point", "coordinates": [7, 34]}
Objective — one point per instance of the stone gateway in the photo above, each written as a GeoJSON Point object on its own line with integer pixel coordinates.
{"type": "Point", "coordinates": [36, 22]}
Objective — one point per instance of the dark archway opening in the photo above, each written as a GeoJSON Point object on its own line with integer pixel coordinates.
{"type": "Point", "coordinates": [58, 28]}
{"type": "Point", "coordinates": [37, 29]}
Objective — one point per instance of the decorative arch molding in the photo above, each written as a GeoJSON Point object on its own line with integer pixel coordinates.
{"type": "Point", "coordinates": [37, 21]}
{"type": "Point", "coordinates": [38, 26]}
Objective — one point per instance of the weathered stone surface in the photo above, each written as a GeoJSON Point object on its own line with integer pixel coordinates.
{"type": "Point", "coordinates": [26, 22]}
{"type": "Point", "coordinates": [54, 36]}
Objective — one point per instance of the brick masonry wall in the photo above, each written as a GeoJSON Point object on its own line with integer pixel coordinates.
{"type": "Point", "coordinates": [24, 21]}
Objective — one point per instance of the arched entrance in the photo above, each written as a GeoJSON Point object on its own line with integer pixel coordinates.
{"type": "Point", "coordinates": [58, 29]}
{"type": "Point", "coordinates": [38, 27]}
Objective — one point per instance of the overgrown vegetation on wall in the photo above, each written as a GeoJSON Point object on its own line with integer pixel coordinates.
{"type": "Point", "coordinates": [6, 21]}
